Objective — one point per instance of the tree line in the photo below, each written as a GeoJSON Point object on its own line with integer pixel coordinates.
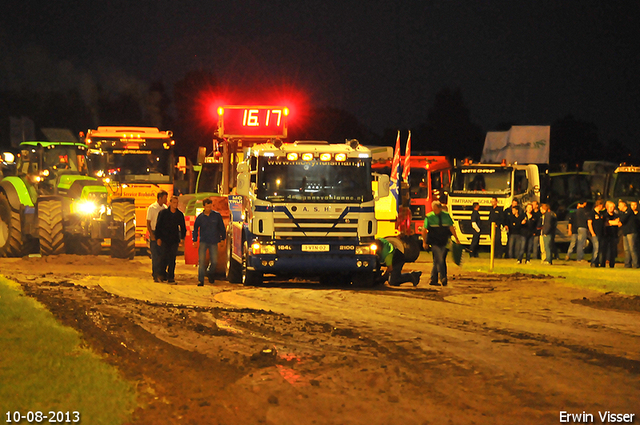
{"type": "Point", "coordinates": [447, 128]}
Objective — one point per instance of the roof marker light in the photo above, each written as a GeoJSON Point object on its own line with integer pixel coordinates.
{"type": "Point", "coordinates": [325, 157]}
{"type": "Point", "coordinates": [292, 156]}
{"type": "Point", "coordinates": [341, 157]}
{"type": "Point", "coordinates": [307, 156]}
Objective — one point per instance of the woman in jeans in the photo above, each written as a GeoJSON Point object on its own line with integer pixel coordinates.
{"type": "Point", "coordinates": [516, 222]}
{"type": "Point", "coordinates": [529, 231]}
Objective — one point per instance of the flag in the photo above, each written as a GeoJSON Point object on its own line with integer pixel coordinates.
{"type": "Point", "coordinates": [406, 169]}
{"type": "Point", "coordinates": [395, 171]}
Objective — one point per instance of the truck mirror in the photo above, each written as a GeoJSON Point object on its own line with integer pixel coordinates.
{"type": "Point", "coordinates": [383, 186]}
{"type": "Point", "coordinates": [242, 167]}
{"type": "Point", "coordinates": [202, 153]}
{"type": "Point", "coordinates": [243, 182]}
{"type": "Point", "coordinates": [182, 164]}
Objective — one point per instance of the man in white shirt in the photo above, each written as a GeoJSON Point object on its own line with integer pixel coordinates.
{"type": "Point", "coordinates": [152, 218]}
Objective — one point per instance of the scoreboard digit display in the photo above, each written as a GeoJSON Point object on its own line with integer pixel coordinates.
{"type": "Point", "coordinates": [247, 122]}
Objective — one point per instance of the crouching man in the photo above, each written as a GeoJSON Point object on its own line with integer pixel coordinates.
{"type": "Point", "coordinates": [391, 254]}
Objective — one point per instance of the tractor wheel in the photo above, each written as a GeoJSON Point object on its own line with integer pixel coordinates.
{"type": "Point", "coordinates": [233, 269]}
{"type": "Point", "coordinates": [50, 227]}
{"type": "Point", "coordinates": [11, 243]}
{"type": "Point", "coordinates": [249, 277]}
{"type": "Point", "coordinates": [124, 212]}
{"type": "Point", "coordinates": [83, 245]}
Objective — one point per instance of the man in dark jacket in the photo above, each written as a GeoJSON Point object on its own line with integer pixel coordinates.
{"type": "Point", "coordinates": [538, 219]}
{"type": "Point", "coordinates": [170, 232]}
{"type": "Point", "coordinates": [578, 230]}
{"type": "Point", "coordinates": [595, 224]}
{"type": "Point", "coordinates": [611, 226]}
{"type": "Point", "coordinates": [496, 216]}
{"type": "Point", "coordinates": [210, 226]}
{"type": "Point", "coordinates": [516, 233]}
{"type": "Point", "coordinates": [507, 217]}
{"type": "Point", "coordinates": [629, 234]}
{"type": "Point", "coordinates": [633, 206]}
{"type": "Point", "coordinates": [475, 225]}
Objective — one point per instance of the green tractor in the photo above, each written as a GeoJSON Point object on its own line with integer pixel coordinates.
{"type": "Point", "coordinates": [52, 203]}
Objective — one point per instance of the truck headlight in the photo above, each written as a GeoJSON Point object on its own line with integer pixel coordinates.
{"type": "Point", "coordinates": [257, 248]}
{"type": "Point", "coordinates": [366, 249]}
{"type": "Point", "coordinates": [86, 207]}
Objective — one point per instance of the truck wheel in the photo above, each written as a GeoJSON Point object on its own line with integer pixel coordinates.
{"type": "Point", "coordinates": [233, 269]}
{"type": "Point", "coordinates": [363, 280]}
{"type": "Point", "coordinates": [50, 227]}
{"type": "Point", "coordinates": [249, 277]}
{"type": "Point", "coordinates": [124, 212]}
{"type": "Point", "coordinates": [11, 243]}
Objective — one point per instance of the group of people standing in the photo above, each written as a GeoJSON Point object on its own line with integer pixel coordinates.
{"type": "Point", "coordinates": [605, 225]}
{"type": "Point", "coordinates": [167, 231]}
{"type": "Point", "coordinates": [531, 232]}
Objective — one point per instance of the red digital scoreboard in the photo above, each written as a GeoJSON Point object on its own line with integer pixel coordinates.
{"type": "Point", "coordinates": [252, 122]}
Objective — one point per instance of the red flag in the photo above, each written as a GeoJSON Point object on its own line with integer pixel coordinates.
{"type": "Point", "coordinates": [406, 169]}
{"type": "Point", "coordinates": [395, 164]}
{"type": "Point", "coordinates": [395, 168]}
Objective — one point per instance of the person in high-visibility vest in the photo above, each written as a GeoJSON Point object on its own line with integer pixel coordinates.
{"type": "Point", "coordinates": [391, 253]}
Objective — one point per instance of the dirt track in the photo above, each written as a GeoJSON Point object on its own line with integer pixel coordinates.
{"type": "Point", "coordinates": [486, 350]}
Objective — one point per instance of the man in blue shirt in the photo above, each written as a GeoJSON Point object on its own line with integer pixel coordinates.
{"type": "Point", "coordinates": [210, 227]}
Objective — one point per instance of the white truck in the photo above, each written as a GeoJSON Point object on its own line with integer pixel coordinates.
{"type": "Point", "coordinates": [479, 183]}
{"type": "Point", "coordinates": [307, 210]}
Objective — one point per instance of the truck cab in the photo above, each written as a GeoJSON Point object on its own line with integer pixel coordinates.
{"type": "Point", "coordinates": [308, 209]}
{"type": "Point", "coordinates": [479, 183]}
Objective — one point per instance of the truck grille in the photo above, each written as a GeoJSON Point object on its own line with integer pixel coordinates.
{"type": "Point", "coordinates": [287, 228]}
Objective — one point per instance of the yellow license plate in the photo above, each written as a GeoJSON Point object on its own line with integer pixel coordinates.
{"type": "Point", "coordinates": [315, 248]}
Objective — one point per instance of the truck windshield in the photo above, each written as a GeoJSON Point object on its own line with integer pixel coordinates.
{"type": "Point", "coordinates": [314, 181]}
{"type": "Point", "coordinates": [486, 181]}
{"type": "Point", "coordinates": [134, 166]}
{"type": "Point", "coordinates": [626, 185]}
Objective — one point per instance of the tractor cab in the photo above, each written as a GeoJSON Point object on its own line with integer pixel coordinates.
{"type": "Point", "coordinates": [44, 164]}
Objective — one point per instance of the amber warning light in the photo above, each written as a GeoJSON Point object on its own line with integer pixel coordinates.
{"type": "Point", "coordinates": [252, 121]}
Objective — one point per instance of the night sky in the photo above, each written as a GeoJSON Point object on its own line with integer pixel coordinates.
{"type": "Point", "coordinates": [527, 63]}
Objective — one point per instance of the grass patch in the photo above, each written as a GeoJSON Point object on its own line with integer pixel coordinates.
{"type": "Point", "coordinates": [617, 279]}
{"type": "Point", "coordinates": [44, 367]}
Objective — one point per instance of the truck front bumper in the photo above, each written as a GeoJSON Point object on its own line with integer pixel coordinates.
{"type": "Point", "coordinates": [311, 264]}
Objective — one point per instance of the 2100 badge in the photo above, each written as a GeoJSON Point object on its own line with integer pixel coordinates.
{"type": "Point", "coordinates": [52, 417]}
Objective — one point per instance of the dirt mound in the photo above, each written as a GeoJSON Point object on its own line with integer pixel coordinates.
{"type": "Point", "coordinates": [83, 260]}
{"type": "Point", "coordinates": [612, 301]}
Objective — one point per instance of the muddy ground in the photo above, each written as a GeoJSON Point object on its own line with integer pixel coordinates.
{"type": "Point", "coordinates": [486, 350]}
